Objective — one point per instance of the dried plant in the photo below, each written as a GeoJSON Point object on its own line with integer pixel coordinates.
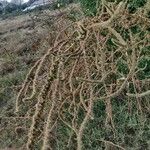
{"type": "Point", "coordinates": [96, 60]}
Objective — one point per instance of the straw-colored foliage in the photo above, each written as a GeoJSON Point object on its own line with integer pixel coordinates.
{"type": "Point", "coordinates": [90, 61]}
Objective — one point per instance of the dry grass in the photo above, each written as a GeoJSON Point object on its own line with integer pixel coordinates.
{"type": "Point", "coordinates": [83, 69]}
{"type": "Point", "coordinates": [95, 60]}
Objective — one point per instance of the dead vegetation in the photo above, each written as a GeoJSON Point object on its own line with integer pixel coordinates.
{"type": "Point", "coordinates": [91, 61]}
